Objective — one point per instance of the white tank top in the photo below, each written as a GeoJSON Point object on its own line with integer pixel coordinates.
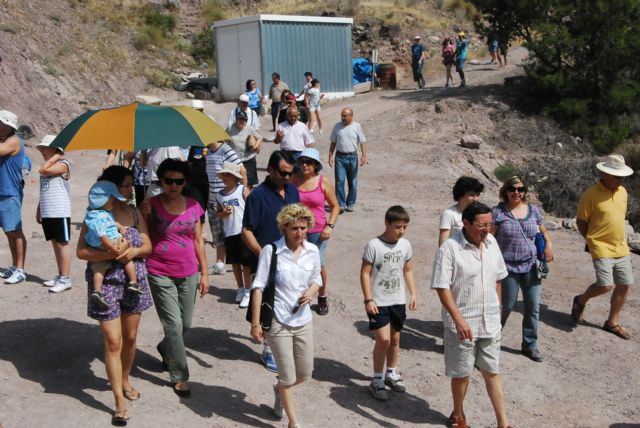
{"type": "Point", "coordinates": [235, 199]}
{"type": "Point", "coordinates": [55, 193]}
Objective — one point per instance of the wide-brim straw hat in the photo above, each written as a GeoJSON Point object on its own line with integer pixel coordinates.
{"type": "Point", "coordinates": [614, 165]}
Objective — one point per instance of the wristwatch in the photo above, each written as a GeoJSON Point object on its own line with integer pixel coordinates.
{"type": "Point", "coordinates": [331, 225]}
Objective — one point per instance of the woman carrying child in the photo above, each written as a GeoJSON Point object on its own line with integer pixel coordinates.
{"type": "Point", "coordinates": [54, 210]}
{"type": "Point", "coordinates": [230, 209]}
{"type": "Point", "coordinates": [119, 324]}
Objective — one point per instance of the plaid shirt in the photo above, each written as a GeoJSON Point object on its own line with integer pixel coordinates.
{"type": "Point", "coordinates": [519, 254]}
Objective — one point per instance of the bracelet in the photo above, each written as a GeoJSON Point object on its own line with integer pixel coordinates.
{"type": "Point", "coordinates": [367, 301]}
{"type": "Point", "coordinates": [255, 325]}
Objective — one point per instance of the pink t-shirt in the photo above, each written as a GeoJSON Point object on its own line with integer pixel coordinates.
{"type": "Point", "coordinates": [315, 201]}
{"type": "Point", "coordinates": [171, 235]}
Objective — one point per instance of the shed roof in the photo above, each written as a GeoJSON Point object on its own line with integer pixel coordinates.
{"type": "Point", "coordinates": [281, 18]}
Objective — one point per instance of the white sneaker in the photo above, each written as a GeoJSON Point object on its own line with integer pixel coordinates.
{"type": "Point", "coordinates": [61, 285]}
{"type": "Point", "coordinates": [244, 303]}
{"type": "Point", "coordinates": [16, 277]}
{"type": "Point", "coordinates": [51, 282]}
{"type": "Point", "coordinates": [239, 295]}
{"type": "Point", "coordinates": [219, 269]}
{"type": "Point", "coordinates": [278, 410]}
{"type": "Point", "coordinates": [6, 273]}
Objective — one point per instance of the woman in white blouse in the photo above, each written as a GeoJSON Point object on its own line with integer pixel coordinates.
{"type": "Point", "coordinates": [297, 280]}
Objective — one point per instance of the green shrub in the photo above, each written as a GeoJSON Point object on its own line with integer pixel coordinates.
{"type": "Point", "coordinates": [202, 49]}
{"type": "Point", "coordinates": [505, 171]}
{"type": "Point", "coordinates": [165, 22]}
{"type": "Point", "coordinates": [212, 11]}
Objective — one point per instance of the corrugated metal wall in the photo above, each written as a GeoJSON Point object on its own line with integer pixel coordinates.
{"type": "Point", "coordinates": [291, 48]}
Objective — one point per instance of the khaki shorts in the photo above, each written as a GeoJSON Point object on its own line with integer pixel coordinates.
{"type": "Point", "coordinates": [461, 356]}
{"type": "Point", "coordinates": [292, 349]}
{"type": "Point", "coordinates": [613, 271]}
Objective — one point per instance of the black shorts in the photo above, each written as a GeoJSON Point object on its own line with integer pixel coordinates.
{"type": "Point", "coordinates": [57, 229]}
{"type": "Point", "coordinates": [395, 314]}
{"type": "Point", "coordinates": [236, 251]}
{"type": "Point", "coordinates": [252, 171]}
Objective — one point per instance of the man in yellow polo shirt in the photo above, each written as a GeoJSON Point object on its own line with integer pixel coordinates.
{"type": "Point", "coordinates": [601, 220]}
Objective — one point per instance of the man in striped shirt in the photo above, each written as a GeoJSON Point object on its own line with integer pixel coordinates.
{"type": "Point", "coordinates": [467, 275]}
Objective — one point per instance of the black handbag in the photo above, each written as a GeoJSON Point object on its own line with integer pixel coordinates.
{"type": "Point", "coordinates": [268, 295]}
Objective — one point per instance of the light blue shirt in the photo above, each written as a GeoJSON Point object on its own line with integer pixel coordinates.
{"type": "Point", "coordinates": [100, 223]}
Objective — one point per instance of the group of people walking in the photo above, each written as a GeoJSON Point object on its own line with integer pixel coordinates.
{"type": "Point", "coordinates": [275, 235]}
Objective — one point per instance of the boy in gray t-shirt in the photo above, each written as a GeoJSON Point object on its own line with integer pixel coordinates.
{"type": "Point", "coordinates": [386, 271]}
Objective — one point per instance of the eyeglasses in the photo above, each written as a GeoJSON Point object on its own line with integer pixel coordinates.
{"type": "Point", "coordinates": [177, 181]}
{"type": "Point", "coordinates": [484, 225]}
{"type": "Point", "coordinates": [516, 189]}
{"type": "Point", "coordinates": [284, 173]}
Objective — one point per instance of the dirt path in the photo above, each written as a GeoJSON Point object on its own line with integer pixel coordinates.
{"type": "Point", "coordinates": [51, 363]}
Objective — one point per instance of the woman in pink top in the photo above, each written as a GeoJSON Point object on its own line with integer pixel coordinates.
{"type": "Point", "coordinates": [177, 266]}
{"type": "Point", "coordinates": [315, 192]}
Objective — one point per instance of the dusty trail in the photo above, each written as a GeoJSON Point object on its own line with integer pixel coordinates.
{"type": "Point", "coordinates": [51, 363]}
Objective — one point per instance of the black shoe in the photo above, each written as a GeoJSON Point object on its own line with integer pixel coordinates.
{"type": "Point", "coordinates": [119, 420]}
{"type": "Point", "coordinates": [182, 393]}
{"type": "Point", "coordinates": [134, 288]}
{"type": "Point", "coordinates": [97, 301]}
{"type": "Point", "coordinates": [323, 306]}
{"type": "Point", "coordinates": [533, 354]}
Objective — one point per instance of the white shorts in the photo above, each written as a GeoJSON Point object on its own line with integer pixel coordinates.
{"type": "Point", "coordinates": [613, 271]}
{"type": "Point", "coordinates": [461, 356]}
{"type": "Point", "coordinates": [313, 108]}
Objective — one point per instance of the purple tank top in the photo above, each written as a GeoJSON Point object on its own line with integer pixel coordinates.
{"type": "Point", "coordinates": [315, 201]}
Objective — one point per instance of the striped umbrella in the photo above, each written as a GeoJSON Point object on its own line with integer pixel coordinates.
{"type": "Point", "coordinates": [139, 126]}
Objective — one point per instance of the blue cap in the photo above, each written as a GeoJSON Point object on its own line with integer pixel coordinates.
{"type": "Point", "coordinates": [311, 153]}
{"type": "Point", "coordinates": [100, 193]}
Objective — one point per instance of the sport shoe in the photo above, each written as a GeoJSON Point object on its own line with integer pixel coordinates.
{"type": "Point", "coordinates": [218, 269]}
{"type": "Point", "coordinates": [16, 277]}
{"type": "Point", "coordinates": [97, 301]}
{"type": "Point", "coordinates": [239, 295]}
{"type": "Point", "coordinates": [60, 286]}
{"type": "Point", "coordinates": [6, 273]}
{"type": "Point", "coordinates": [323, 305]}
{"type": "Point", "coordinates": [244, 303]}
{"type": "Point", "coordinates": [268, 361]}
{"type": "Point", "coordinates": [134, 288]}
{"type": "Point", "coordinates": [278, 411]}
{"type": "Point", "coordinates": [51, 282]}
{"type": "Point", "coordinates": [396, 384]}
{"type": "Point", "coordinates": [378, 391]}
{"type": "Point", "coordinates": [350, 209]}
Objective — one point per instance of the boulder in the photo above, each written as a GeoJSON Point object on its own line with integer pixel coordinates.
{"type": "Point", "coordinates": [148, 99]}
{"type": "Point", "coordinates": [471, 141]}
{"type": "Point", "coordinates": [570, 223]}
{"type": "Point", "coordinates": [634, 242]}
{"type": "Point", "coordinates": [438, 108]}
{"type": "Point", "coordinates": [552, 225]}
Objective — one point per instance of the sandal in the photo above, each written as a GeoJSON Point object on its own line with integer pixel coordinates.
{"type": "Point", "coordinates": [119, 419]}
{"type": "Point", "coordinates": [617, 330]}
{"type": "Point", "coordinates": [577, 309]}
{"type": "Point", "coordinates": [131, 395]}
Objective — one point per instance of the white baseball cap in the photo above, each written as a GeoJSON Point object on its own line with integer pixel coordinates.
{"type": "Point", "coordinates": [9, 119]}
{"type": "Point", "coordinates": [46, 142]}
{"type": "Point", "coordinates": [243, 98]}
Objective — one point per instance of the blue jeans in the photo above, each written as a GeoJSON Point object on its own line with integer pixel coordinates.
{"type": "Point", "coordinates": [347, 168]}
{"type": "Point", "coordinates": [531, 287]}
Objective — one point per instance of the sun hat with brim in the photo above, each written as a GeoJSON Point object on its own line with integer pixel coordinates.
{"type": "Point", "coordinates": [9, 119]}
{"type": "Point", "coordinates": [230, 168]}
{"type": "Point", "coordinates": [461, 34]}
{"type": "Point", "coordinates": [100, 193]}
{"type": "Point", "coordinates": [311, 154]}
{"type": "Point", "coordinates": [614, 165]}
{"type": "Point", "coordinates": [46, 142]}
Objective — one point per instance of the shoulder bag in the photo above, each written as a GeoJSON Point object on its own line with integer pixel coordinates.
{"type": "Point", "coordinates": [542, 268]}
{"type": "Point", "coordinates": [268, 295]}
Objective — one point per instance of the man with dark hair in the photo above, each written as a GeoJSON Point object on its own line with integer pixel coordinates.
{"type": "Point", "coordinates": [289, 101]}
{"type": "Point", "coordinates": [12, 156]}
{"type": "Point", "coordinates": [275, 94]}
{"type": "Point", "coordinates": [259, 224]}
{"type": "Point", "coordinates": [467, 274]}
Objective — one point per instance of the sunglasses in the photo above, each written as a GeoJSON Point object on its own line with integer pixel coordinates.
{"type": "Point", "coordinates": [284, 173]}
{"type": "Point", "coordinates": [516, 189]}
{"type": "Point", "coordinates": [306, 160]}
{"type": "Point", "coordinates": [170, 181]}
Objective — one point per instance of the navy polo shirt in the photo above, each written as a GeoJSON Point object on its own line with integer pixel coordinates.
{"type": "Point", "coordinates": [261, 208]}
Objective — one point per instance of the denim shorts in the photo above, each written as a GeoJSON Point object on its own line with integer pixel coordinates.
{"type": "Point", "coordinates": [613, 271]}
{"type": "Point", "coordinates": [10, 213]}
{"type": "Point", "coordinates": [314, 238]}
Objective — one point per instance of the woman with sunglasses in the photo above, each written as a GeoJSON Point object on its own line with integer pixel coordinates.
{"type": "Point", "coordinates": [177, 266]}
{"type": "Point", "coordinates": [297, 279]}
{"type": "Point", "coordinates": [517, 223]}
{"type": "Point", "coordinates": [254, 95]}
{"type": "Point", "coordinates": [315, 192]}
{"type": "Point", "coordinates": [119, 323]}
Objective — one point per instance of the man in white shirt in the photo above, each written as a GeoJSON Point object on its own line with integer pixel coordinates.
{"type": "Point", "coordinates": [292, 135]}
{"type": "Point", "coordinates": [467, 274]}
{"type": "Point", "coordinates": [346, 137]}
